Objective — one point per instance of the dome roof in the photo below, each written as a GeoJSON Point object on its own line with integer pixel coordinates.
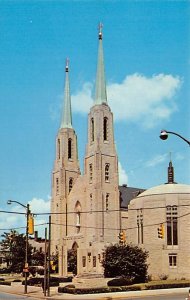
{"type": "Point", "coordinates": [170, 188]}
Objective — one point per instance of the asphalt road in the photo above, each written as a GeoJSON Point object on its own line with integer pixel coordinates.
{"type": "Point", "coordinates": [160, 297]}
{"type": "Point", "coordinates": [5, 296]}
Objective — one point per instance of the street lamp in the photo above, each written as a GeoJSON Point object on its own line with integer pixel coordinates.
{"type": "Point", "coordinates": [27, 207]}
{"type": "Point", "coordinates": [164, 135]}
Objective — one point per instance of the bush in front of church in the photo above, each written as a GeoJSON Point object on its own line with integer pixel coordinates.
{"type": "Point", "coordinates": [125, 261]}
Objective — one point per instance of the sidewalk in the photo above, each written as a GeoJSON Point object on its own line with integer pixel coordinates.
{"type": "Point", "coordinates": [37, 293]}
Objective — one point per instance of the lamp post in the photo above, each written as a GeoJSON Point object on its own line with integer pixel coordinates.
{"type": "Point", "coordinates": [27, 207]}
{"type": "Point", "coordinates": [164, 135]}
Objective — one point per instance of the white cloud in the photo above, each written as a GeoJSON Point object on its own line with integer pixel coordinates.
{"type": "Point", "coordinates": [123, 178]}
{"type": "Point", "coordinates": [12, 220]}
{"type": "Point", "coordinates": [156, 160]}
{"type": "Point", "coordinates": [82, 100]}
{"type": "Point", "coordinates": [38, 205]}
{"type": "Point", "coordinates": [138, 98]}
{"type": "Point", "coordinates": [179, 156]}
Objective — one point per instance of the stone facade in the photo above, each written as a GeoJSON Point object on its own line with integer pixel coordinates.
{"type": "Point", "coordinates": [85, 208]}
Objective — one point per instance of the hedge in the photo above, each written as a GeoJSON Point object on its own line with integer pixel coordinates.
{"type": "Point", "coordinates": [166, 285]}
{"type": "Point", "coordinates": [5, 283]}
{"type": "Point", "coordinates": [119, 281]}
{"type": "Point", "coordinates": [70, 289]}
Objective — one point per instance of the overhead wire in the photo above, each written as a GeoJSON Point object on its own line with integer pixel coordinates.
{"type": "Point", "coordinates": [94, 227]}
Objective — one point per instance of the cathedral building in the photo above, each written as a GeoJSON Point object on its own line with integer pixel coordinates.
{"type": "Point", "coordinates": [89, 210]}
{"type": "Point", "coordinates": [86, 208]}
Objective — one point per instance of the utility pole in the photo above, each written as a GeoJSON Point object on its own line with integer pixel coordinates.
{"type": "Point", "coordinates": [49, 258]}
{"type": "Point", "coordinates": [26, 253]}
{"type": "Point", "coordinates": [45, 263]}
{"type": "Point", "coordinates": [29, 230]}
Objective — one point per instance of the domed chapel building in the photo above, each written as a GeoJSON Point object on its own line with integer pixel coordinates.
{"type": "Point", "coordinates": [166, 206]}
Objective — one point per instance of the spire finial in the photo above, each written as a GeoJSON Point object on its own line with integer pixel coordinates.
{"type": "Point", "coordinates": [100, 91]}
{"type": "Point", "coordinates": [100, 26]}
{"type": "Point", "coordinates": [66, 120]}
{"type": "Point", "coordinates": [67, 65]}
{"type": "Point", "coordinates": [170, 170]}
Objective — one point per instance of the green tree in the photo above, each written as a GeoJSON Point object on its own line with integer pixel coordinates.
{"type": "Point", "coordinates": [38, 258]}
{"type": "Point", "coordinates": [13, 247]}
{"type": "Point", "coordinates": [127, 261]}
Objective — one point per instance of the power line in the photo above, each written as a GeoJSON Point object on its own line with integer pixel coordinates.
{"type": "Point", "coordinates": [94, 227]}
{"type": "Point", "coordinates": [92, 211]}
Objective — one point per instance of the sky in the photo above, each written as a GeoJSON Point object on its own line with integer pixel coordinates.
{"type": "Point", "coordinates": [147, 66]}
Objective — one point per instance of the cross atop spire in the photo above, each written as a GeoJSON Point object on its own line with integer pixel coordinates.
{"type": "Point", "coordinates": [67, 65]}
{"type": "Point", "coordinates": [100, 93]}
{"type": "Point", "coordinates": [66, 121]}
{"type": "Point", "coordinates": [100, 26]}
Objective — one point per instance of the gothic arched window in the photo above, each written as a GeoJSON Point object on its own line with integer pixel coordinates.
{"type": "Point", "coordinates": [58, 148]}
{"type": "Point", "coordinates": [78, 216]}
{"type": "Point", "coordinates": [172, 225]}
{"type": "Point", "coordinates": [70, 184]}
{"type": "Point", "coordinates": [105, 129]}
{"type": "Point", "coordinates": [90, 203]}
{"type": "Point", "coordinates": [107, 166]}
{"type": "Point", "coordinates": [90, 172]}
{"type": "Point", "coordinates": [107, 201]}
{"type": "Point", "coordinates": [69, 148]}
{"type": "Point", "coordinates": [92, 129]}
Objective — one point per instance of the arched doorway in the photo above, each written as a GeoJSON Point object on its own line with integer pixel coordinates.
{"type": "Point", "coordinates": [72, 259]}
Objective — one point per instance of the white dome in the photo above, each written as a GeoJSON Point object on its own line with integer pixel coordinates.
{"type": "Point", "coordinates": [170, 188]}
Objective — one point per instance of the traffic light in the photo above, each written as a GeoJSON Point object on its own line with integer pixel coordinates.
{"type": "Point", "coordinates": [122, 238]}
{"type": "Point", "coordinates": [161, 231]}
{"type": "Point", "coordinates": [53, 265]}
{"type": "Point", "coordinates": [30, 224]}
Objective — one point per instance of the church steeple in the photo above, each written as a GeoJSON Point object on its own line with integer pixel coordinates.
{"type": "Point", "coordinates": [66, 121]}
{"type": "Point", "coordinates": [170, 173]}
{"type": "Point", "coordinates": [100, 93]}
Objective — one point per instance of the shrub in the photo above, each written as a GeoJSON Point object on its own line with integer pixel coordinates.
{"type": "Point", "coordinates": [34, 281]}
{"type": "Point", "coordinates": [5, 283]}
{"type": "Point", "coordinates": [54, 281]}
{"type": "Point", "coordinates": [17, 280]}
{"type": "Point", "coordinates": [66, 289]}
{"type": "Point", "coordinates": [125, 260]}
{"type": "Point", "coordinates": [163, 277]}
{"type": "Point", "coordinates": [120, 281]}
{"type": "Point", "coordinates": [166, 285]}
{"type": "Point", "coordinates": [65, 279]}
{"type": "Point", "coordinates": [72, 290]}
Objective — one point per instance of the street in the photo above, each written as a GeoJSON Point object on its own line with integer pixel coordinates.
{"type": "Point", "coordinates": [182, 296]}
{"type": "Point", "coordinates": [5, 296]}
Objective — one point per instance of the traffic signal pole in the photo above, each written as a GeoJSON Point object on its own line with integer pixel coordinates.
{"type": "Point", "coordinates": [49, 259]}
{"type": "Point", "coordinates": [26, 251]}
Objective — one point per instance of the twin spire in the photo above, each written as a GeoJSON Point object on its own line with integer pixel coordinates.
{"type": "Point", "coordinates": [100, 91]}
{"type": "Point", "coordinates": [66, 121]}
{"type": "Point", "coordinates": [100, 94]}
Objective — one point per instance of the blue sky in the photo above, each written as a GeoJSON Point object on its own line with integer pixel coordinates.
{"type": "Point", "coordinates": [146, 52]}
